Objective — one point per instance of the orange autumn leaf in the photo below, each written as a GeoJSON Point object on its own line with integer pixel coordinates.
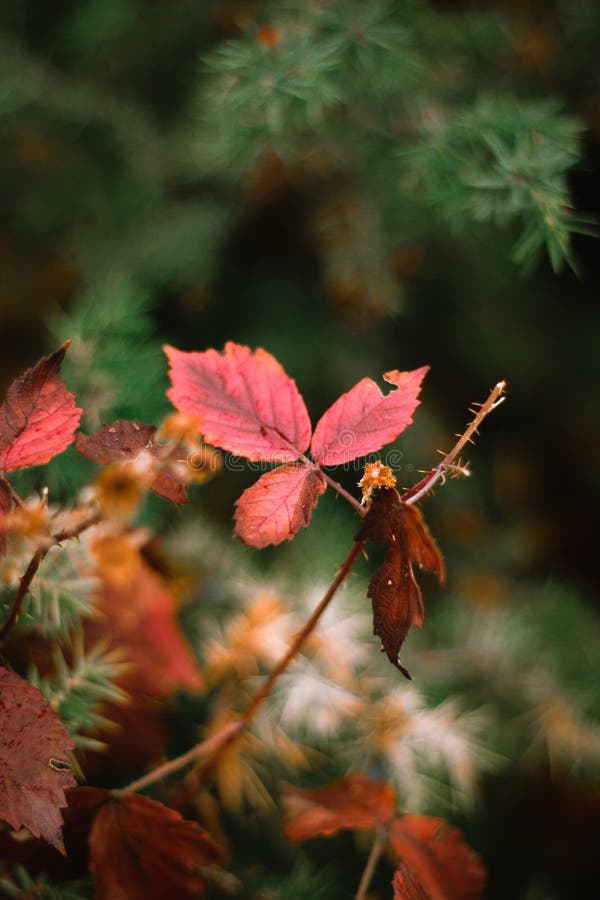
{"type": "Point", "coordinates": [406, 887]}
{"type": "Point", "coordinates": [138, 615]}
{"type": "Point", "coordinates": [352, 802]}
{"type": "Point", "coordinates": [438, 858]}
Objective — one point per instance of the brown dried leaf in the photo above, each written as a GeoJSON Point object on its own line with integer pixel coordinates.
{"type": "Point", "coordinates": [352, 802]}
{"type": "Point", "coordinates": [396, 596]}
{"type": "Point", "coordinates": [142, 850]}
{"type": "Point", "coordinates": [34, 752]}
{"type": "Point", "coordinates": [123, 441]}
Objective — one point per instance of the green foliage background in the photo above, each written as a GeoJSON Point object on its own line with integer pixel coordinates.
{"type": "Point", "coordinates": [369, 186]}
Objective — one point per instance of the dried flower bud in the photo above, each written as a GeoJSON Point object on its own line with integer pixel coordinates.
{"type": "Point", "coordinates": [376, 475]}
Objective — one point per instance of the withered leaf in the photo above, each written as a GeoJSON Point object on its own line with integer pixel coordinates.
{"type": "Point", "coordinates": [142, 850]}
{"type": "Point", "coordinates": [34, 753]}
{"type": "Point", "coordinates": [123, 441]}
{"type": "Point", "coordinates": [355, 801]}
{"type": "Point", "coordinates": [39, 417]}
{"type": "Point", "coordinates": [396, 596]}
{"type": "Point", "coordinates": [439, 860]}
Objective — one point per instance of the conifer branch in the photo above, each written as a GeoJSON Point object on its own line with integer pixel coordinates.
{"type": "Point", "coordinates": [36, 561]}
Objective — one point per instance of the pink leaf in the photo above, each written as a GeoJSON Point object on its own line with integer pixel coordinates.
{"type": "Point", "coordinates": [278, 505]}
{"type": "Point", "coordinates": [363, 420]}
{"type": "Point", "coordinates": [245, 401]}
{"type": "Point", "coordinates": [39, 417]}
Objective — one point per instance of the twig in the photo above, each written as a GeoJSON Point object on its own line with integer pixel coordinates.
{"type": "Point", "coordinates": [23, 590]}
{"type": "Point", "coordinates": [16, 497]}
{"type": "Point", "coordinates": [448, 463]}
{"type": "Point", "coordinates": [344, 493]}
{"type": "Point", "coordinates": [377, 849]}
{"type": "Point", "coordinates": [216, 741]}
{"type": "Point", "coordinates": [34, 564]}
{"type": "Point", "coordinates": [214, 745]}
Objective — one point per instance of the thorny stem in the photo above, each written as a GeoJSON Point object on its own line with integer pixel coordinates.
{"type": "Point", "coordinates": [34, 564]}
{"type": "Point", "coordinates": [377, 849]}
{"type": "Point", "coordinates": [417, 491]}
{"type": "Point", "coordinates": [212, 747]}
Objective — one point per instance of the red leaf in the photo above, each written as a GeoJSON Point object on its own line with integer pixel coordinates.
{"type": "Point", "coordinates": [363, 420]}
{"type": "Point", "coordinates": [245, 401]}
{"type": "Point", "coordinates": [278, 505]}
{"type": "Point", "coordinates": [5, 504]}
{"type": "Point", "coordinates": [440, 862]}
{"type": "Point", "coordinates": [123, 441]}
{"type": "Point", "coordinates": [139, 616]}
{"type": "Point", "coordinates": [142, 850]}
{"type": "Point", "coordinates": [38, 418]}
{"type": "Point", "coordinates": [34, 749]}
{"type": "Point", "coordinates": [396, 596]}
{"type": "Point", "coordinates": [352, 802]}
{"type": "Point", "coordinates": [406, 887]}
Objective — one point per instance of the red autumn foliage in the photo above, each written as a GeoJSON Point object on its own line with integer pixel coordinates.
{"type": "Point", "coordinates": [278, 505]}
{"type": "Point", "coordinates": [123, 441]}
{"type": "Point", "coordinates": [38, 418]}
{"type": "Point", "coordinates": [247, 404]}
{"type": "Point", "coordinates": [352, 802]}
{"type": "Point", "coordinates": [245, 401]}
{"type": "Point", "coordinates": [142, 850]}
{"type": "Point", "coordinates": [139, 617]}
{"type": "Point", "coordinates": [434, 861]}
{"type": "Point", "coordinates": [435, 852]}
{"type": "Point", "coordinates": [406, 887]}
{"type": "Point", "coordinates": [34, 753]}
{"type": "Point", "coordinates": [396, 596]}
{"type": "Point", "coordinates": [363, 420]}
